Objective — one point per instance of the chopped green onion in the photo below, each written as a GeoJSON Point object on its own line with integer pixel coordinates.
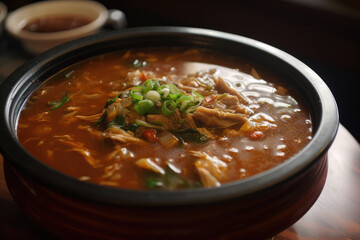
{"type": "Point", "coordinates": [184, 98]}
{"type": "Point", "coordinates": [135, 89]}
{"type": "Point", "coordinates": [135, 94]}
{"type": "Point", "coordinates": [191, 109]}
{"type": "Point", "coordinates": [136, 97]}
{"type": "Point", "coordinates": [152, 95]}
{"type": "Point", "coordinates": [156, 85]}
{"type": "Point", "coordinates": [174, 92]}
{"type": "Point", "coordinates": [144, 106]}
{"type": "Point", "coordinates": [168, 107]}
{"type": "Point", "coordinates": [164, 92]}
{"type": "Point", "coordinates": [184, 105]}
{"type": "Point", "coordinates": [183, 101]}
{"type": "Point", "coordinates": [147, 86]}
{"type": "Point", "coordinates": [60, 103]}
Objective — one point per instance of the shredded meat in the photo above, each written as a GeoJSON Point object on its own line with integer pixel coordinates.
{"type": "Point", "coordinates": [254, 73]}
{"type": "Point", "coordinates": [175, 121]}
{"type": "Point", "coordinates": [91, 118]}
{"type": "Point", "coordinates": [206, 178]}
{"type": "Point", "coordinates": [214, 118]}
{"type": "Point", "coordinates": [79, 147]}
{"type": "Point", "coordinates": [150, 164]}
{"type": "Point", "coordinates": [206, 132]}
{"type": "Point", "coordinates": [165, 121]}
{"type": "Point", "coordinates": [189, 122]}
{"type": "Point", "coordinates": [224, 87]}
{"type": "Point", "coordinates": [259, 121]}
{"type": "Point", "coordinates": [229, 103]}
{"type": "Point", "coordinates": [211, 169]}
{"type": "Point", "coordinates": [120, 135]}
{"type": "Point", "coordinates": [201, 82]}
{"type": "Point", "coordinates": [93, 132]}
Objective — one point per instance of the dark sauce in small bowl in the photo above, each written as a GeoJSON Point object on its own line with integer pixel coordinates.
{"type": "Point", "coordinates": [56, 23]}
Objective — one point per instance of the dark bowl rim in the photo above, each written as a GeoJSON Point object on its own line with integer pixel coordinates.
{"type": "Point", "coordinates": [15, 154]}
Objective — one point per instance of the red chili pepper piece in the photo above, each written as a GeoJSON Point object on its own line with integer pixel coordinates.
{"type": "Point", "coordinates": [143, 77]}
{"type": "Point", "coordinates": [209, 99]}
{"type": "Point", "coordinates": [150, 135]}
{"type": "Point", "coordinates": [256, 135]}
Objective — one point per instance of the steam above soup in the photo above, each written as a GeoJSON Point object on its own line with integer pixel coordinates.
{"type": "Point", "coordinates": [164, 118]}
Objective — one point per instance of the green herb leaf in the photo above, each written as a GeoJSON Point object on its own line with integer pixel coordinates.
{"type": "Point", "coordinates": [118, 121]}
{"type": "Point", "coordinates": [191, 136]}
{"type": "Point", "coordinates": [168, 181]}
{"type": "Point", "coordinates": [111, 101]}
{"type": "Point", "coordinates": [60, 103]}
{"type": "Point", "coordinates": [133, 127]}
{"type": "Point", "coordinates": [101, 120]}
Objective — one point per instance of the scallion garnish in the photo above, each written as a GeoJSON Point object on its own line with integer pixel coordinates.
{"type": "Point", "coordinates": [167, 97]}
{"type": "Point", "coordinates": [136, 97]}
{"type": "Point", "coordinates": [144, 106]}
{"type": "Point", "coordinates": [174, 92]}
{"type": "Point", "coordinates": [152, 95]}
{"type": "Point", "coordinates": [168, 107]}
{"type": "Point", "coordinates": [156, 85]}
{"type": "Point", "coordinates": [147, 86]}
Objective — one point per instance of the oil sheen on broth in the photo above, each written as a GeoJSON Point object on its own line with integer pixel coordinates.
{"type": "Point", "coordinates": [163, 118]}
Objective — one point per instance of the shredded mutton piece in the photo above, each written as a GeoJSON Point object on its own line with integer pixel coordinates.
{"type": "Point", "coordinates": [78, 147]}
{"type": "Point", "coordinates": [224, 87]}
{"type": "Point", "coordinates": [122, 136]}
{"type": "Point", "coordinates": [149, 164]}
{"type": "Point", "coordinates": [210, 168]}
{"type": "Point", "coordinates": [214, 118]}
{"type": "Point", "coordinates": [91, 118]}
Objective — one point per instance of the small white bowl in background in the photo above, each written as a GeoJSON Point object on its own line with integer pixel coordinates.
{"type": "Point", "coordinates": [3, 12]}
{"type": "Point", "coordinates": [36, 43]}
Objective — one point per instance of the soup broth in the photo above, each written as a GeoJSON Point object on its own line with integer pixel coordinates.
{"type": "Point", "coordinates": [164, 118]}
{"type": "Point", "coordinates": [56, 23]}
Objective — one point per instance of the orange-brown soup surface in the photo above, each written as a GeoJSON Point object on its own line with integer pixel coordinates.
{"type": "Point", "coordinates": [164, 118]}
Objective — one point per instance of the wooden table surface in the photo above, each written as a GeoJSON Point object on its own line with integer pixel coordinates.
{"type": "Point", "coordinates": [336, 214]}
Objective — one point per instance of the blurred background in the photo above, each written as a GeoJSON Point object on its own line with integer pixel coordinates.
{"type": "Point", "coordinates": [324, 34]}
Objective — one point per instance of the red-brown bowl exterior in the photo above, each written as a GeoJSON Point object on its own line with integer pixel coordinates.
{"type": "Point", "coordinates": [257, 216]}
{"type": "Point", "coordinates": [254, 208]}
